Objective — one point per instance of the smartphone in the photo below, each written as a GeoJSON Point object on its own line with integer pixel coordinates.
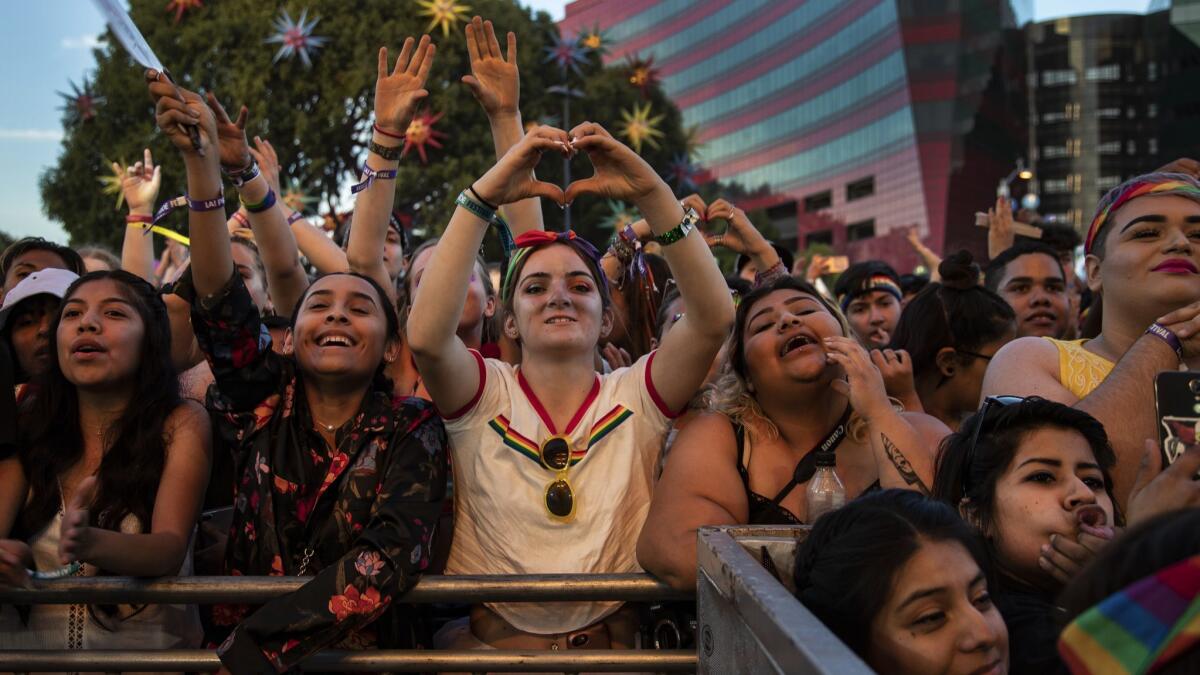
{"type": "Point", "coordinates": [1177, 402]}
{"type": "Point", "coordinates": [838, 264]}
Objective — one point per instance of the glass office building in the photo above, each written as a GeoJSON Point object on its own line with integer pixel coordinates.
{"type": "Point", "coordinates": [861, 118]}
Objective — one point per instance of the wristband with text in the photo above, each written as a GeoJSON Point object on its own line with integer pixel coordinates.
{"type": "Point", "coordinates": [369, 176]}
{"type": "Point", "coordinates": [391, 154]}
{"type": "Point", "coordinates": [1162, 332]}
{"type": "Point", "coordinates": [471, 189]}
{"type": "Point", "coordinates": [296, 215]}
{"type": "Point", "coordinates": [266, 203]}
{"type": "Point", "coordinates": [217, 202]}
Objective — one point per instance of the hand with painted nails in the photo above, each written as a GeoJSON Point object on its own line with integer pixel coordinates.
{"type": "Point", "coordinates": [397, 94]}
{"type": "Point", "coordinates": [511, 179]}
{"type": "Point", "coordinates": [741, 236]}
{"type": "Point", "coordinates": [176, 110]}
{"type": "Point", "coordinates": [233, 148]}
{"type": "Point", "coordinates": [895, 365]}
{"type": "Point", "coordinates": [863, 385]}
{"type": "Point", "coordinates": [620, 173]}
{"type": "Point", "coordinates": [141, 183]}
{"type": "Point", "coordinates": [494, 79]}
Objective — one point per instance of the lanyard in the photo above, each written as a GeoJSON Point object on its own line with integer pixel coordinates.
{"type": "Point", "coordinates": [807, 466]}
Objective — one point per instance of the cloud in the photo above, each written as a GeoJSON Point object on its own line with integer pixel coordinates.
{"type": "Point", "coordinates": [82, 42]}
{"type": "Point", "coordinates": [31, 134]}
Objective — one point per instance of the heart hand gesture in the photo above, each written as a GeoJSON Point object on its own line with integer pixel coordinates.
{"type": "Point", "coordinates": [396, 95]}
{"type": "Point", "coordinates": [231, 136]}
{"type": "Point", "coordinates": [511, 179]}
{"type": "Point", "coordinates": [620, 173]}
{"type": "Point", "coordinates": [176, 109]}
{"type": "Point", "coordinates": [494, 80]}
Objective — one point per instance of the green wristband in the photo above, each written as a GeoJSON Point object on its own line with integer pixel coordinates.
{"type": "Point", "coordinates": [474, 207]}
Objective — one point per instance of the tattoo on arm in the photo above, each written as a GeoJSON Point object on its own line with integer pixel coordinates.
{"type": "Point", "coordinates": [902, 466]}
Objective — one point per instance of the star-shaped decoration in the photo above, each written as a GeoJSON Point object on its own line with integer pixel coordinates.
{"type": "Point", "coordinates": [684, 173]}
{"type": "Point", "coordinates": [566, 54]}
{"type": "Point", "coordinates": [421, 133]}
{"type": "Point", "coordinates": [595, 39]}
{"type": "Point", "coordinates": [181, 7]}
{"type": "Point", "coordinates": [295, 37]}
{"type": "Point", "coordinates": [112, 181]}
{"type": "Point", "coordinates": [641, 126]}
{"type": "Point", "coordinates": [443, 13]}
{"type": "Point", "coordinates": [619, 215]}
{"type": "Point", "coordinates": [295, 197]}
{"type": "Point", "coordinates": [80, 105]}
{"type": "Point", "coordinates": [691, 140]}
{"type": "Point", "coordinates": [642, 73]}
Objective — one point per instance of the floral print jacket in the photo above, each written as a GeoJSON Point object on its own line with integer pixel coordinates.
{"type": "Point", "coordinates": [360, 517]}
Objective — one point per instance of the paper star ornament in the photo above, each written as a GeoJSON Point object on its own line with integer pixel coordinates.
{"type": "Point", "coordinates": [641, 126]}
{"type": "Point", "coordinates": [619, 215]}
{"type": "Point", "coordinates": [595, 40]}
{"type": "Point", "coordinates": [642, 73]}
{"type": "Point", "coordinates": [181, 7]}
{"type": "Point", "coordinates": [80, 105]}
{"type": "Point", "coordinates": [295, 38]}
{"type": "Point", "coordinates": [566, 54]}
{"type": "Point", "coordinates": [421, 133]}
{"type": "Point", "coordinates": [683, 173]}
{"type": "Point", "coordinates": [112, 181]}
{"type": "Point", "coordinates": [443, 13]}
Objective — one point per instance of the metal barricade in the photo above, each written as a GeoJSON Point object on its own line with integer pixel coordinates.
{"type": "Point", "coordinates": [749, 622]}
{"type": "Point", "coordinates": [257, 590]}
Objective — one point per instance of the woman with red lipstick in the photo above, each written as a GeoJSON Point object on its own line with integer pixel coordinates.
{"type": "Point", "coordinates": [796, 382]}
{"type": "Point", "coordinates": [1143, 257]}
{"type": "Point", "coordinates": [1031, 476]}
{"type": "Point", "coordinates": [554, 465]}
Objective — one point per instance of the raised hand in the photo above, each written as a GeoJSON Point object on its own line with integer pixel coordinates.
{"type": "Point", "coordinates": [511, 179]}
{"type": "Point", "coordinates": [494, 80]}
{"type": "Point", "coordinates": [741, 236]}
{"type": "Point", "coordinates": [863, 384]}
{"type": "Point", "coordinates": [76, 535]}
{"type": "Point", "coordinates": [268, 162]}
{"type": "Point", "coordinates": [696, 202]}
{"type": "Point", "coordinates": [620, 173]}
{"type": "Point", "coordinates": [15, 559]}
{"type": "Point", "coordinates": [140, 183]}
{"type": "Point", "coordinates": [396, 95]}
{"type": "Point", "coordinates": [231, 135]}
{"type": "Point", "coordinates": [1000, 227]}
{"type": "Point", "coordinates": [176, 109]}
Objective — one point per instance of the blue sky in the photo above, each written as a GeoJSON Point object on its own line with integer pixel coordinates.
{"type": "Point", "coordinates": [44, 44]}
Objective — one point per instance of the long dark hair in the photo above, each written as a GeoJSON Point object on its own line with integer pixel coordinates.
{"type": "Point", "coordinates": [1003, 428]}
{"type": "Point", "coordinates": [956, 312]}
{"type": "Point", "coordinates": [846, 567]}
{"type": "Point", "coordinates": [51, 440]}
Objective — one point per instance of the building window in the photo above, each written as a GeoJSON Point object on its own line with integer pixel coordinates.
{"type": "Point", "coordinates": [1051, 78]}
{"type": "Point", "coordinates": [1105, 183]}
{"type": "Point", "coordinates": [1109, 148]}
{"type": "Point", "coordinates": [1152, 71]}
{"type": "Point", "coordinates": [1152, 146]}
{"type": "Point", "coordinates": [1151, 110]}
{"type": "Point", "coordinates": [863, 229]}
{"type": "Point", "coordinates": [1054, 186]}
{"type": "Point", "coordinates": [818, 201]}
{"type": "Point", "coordinates": [1109, 73]}
{"type": "Point", "coordinates": [1131, 147]}
{"type": "Point", "coordinates": [1108, 113]}
{"type": "Point", "coordinates": [1053, 117]}
{"type": "Point", "coordinates": [1056, 151]}
{"type": "Point", "coordinates": [819, 237]}
{"type": "Point", "coordinates": [863, 187]}
{"type": "Point", "coordinates": [783, 216]}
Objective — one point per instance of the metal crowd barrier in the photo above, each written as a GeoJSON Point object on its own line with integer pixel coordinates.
{"type": "Point", "coordinates": [256, 590]}
{"type": "Point", "coordinates": [749, 621]}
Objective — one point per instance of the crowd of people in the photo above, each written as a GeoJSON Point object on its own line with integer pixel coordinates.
{"type": "Point", "coordinates": [974, 452]}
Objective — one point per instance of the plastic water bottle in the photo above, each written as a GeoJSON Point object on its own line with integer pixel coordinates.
{"type": "Point", "coordinates": [825, 489]}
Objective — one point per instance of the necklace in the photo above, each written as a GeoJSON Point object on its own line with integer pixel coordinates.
{"type": "Point", "coordinates": [327, 427]}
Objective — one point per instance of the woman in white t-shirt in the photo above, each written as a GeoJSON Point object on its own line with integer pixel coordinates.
{"type": "Point", "coordinates": [554, 465]}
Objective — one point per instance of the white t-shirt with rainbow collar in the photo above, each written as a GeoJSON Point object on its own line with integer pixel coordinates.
{"type": "Point", "coordinates": [501, 522]}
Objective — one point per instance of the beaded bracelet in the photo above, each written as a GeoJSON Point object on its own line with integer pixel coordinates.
{"type": "Point", "coordinates": [391, 154]}
{"type": "Point", "coordinates": [266, 203]}
{"type": "Point", "coordinates": [369, 176]}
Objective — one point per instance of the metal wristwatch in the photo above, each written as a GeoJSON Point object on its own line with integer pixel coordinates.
{"type": "Point", "coordinates": [685, 226]}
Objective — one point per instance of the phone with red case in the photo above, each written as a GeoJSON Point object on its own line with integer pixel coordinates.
{"type": "Point", "coordinates": [1177, 400]}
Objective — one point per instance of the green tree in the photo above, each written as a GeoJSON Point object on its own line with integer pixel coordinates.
{"type": "Point", "coordinates": [318, 118]}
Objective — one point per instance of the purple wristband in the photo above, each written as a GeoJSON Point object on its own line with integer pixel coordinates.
{"type": "Point", "coordinates": [296, 215]}
{"type": "Point", "coordinates": [206, 204]}
{"type": "Point", "coordinates": [1162, 332]}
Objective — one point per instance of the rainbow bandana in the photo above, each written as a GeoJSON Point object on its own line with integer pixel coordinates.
{"type": "Point", "coordinates": [1150, 184]}
{"type": "Point", "coordinates": [1141, 628]}
{"type": "Point", "coordinates": [535, 239]}
{"type": "Point", "coordinates": [877, 282]}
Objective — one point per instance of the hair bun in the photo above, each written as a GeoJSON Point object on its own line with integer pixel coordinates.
{"type": "Point", "coordinates": [959, 271]}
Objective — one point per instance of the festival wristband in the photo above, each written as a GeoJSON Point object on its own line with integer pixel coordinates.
{"type": "Point", "coordinates": [60, 573]}
{"type": "Point", "coordinates": [266, 203]}
{"type": "Point", "coordinates": [1163, 333]}
{"type": "Point", "coordinates": [213, 204]}
{"type": "Point", "coordinates": [471, 189]}
{"type": "Point", "coordinates": [480, 211]}
{"type": "Point", "coordinates": [139, 218]}
{"type": "Point", "coordinates": [245, 175]}
{"type": "Point", "coordinates": [296, 215]}
{"type": "Point", "coordinates": [369, 176]}
{"type": "Point", "coordinates": [391, 154]}
{"type": "Point", "coordinates": [387, 133]}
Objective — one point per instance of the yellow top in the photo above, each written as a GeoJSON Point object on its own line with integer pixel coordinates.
{"type": "Point", "coordinates": [1079, 370]}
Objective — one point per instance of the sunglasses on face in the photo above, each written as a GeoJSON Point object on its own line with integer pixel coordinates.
{"type": "Point", "coordinates": [559, 499]}
{"type": "Point", "coordinates": [988, 404]}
